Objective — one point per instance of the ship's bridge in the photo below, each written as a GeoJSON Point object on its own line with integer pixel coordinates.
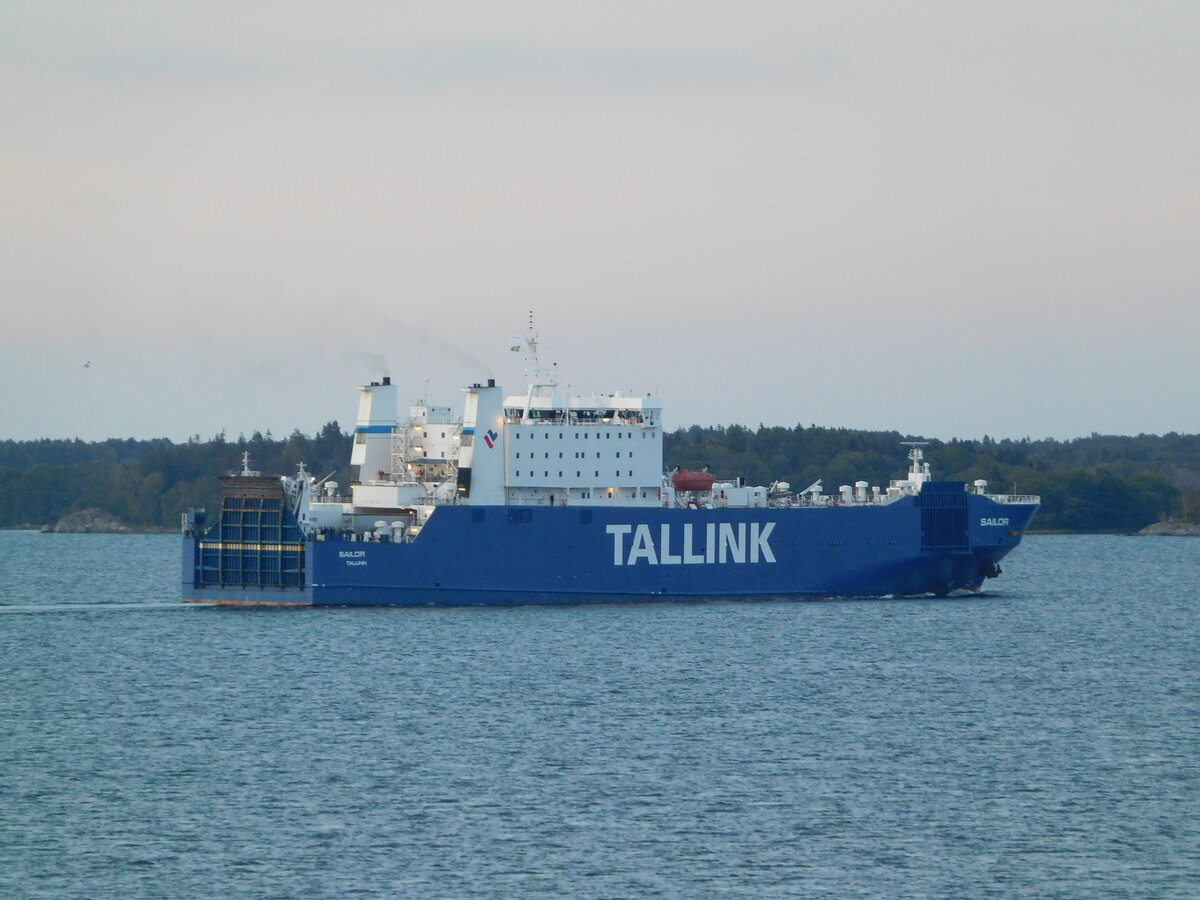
{"type": "Point", "coordinates": [593, 449]}
{"type": "Point", "coordinates": [597, 409]}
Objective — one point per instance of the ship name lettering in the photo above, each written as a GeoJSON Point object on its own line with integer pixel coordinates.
{"type": "Point", "coordinates": [673, 545]}
{"type": "Point", "coordinates": [986, 522]}
{"type": "Point", "coordinates": [351, 554]}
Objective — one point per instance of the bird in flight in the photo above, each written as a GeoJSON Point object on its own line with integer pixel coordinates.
{"type": "Point", "coordinates": [88, 364]}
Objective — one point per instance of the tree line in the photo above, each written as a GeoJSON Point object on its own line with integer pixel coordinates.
{"type": "Point", "coordinates": [1100, 483]}
{"type": "Point", "coordinates": [149, 483]}
{"type": "Point", "coordinates": [1097, 483]}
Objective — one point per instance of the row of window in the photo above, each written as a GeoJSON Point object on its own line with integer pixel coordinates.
{"type": "Point", "coordinates": [586, 435]}
{"type": "Point", "coordinates": [585, 516]}
{"type": "Point", "coordinates": [578, 455]}
{"type": "Point", "coordinates": [578, 474]}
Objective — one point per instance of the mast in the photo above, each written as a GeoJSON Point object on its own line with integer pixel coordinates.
{"type": "Point", "coordinates": [536, 376]}
{"type": "Point", "coordinates": [918, 470]}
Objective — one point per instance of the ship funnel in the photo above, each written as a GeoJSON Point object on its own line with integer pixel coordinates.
{"type": "Point", "coordinates": [481, 458]}
{"type": "Point", "coordinates": [373, 430]}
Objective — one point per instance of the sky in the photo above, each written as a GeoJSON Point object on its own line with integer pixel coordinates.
{"type": "Point", "coordinates": [950, 219]}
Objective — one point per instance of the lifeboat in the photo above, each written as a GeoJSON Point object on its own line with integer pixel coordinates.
{"type": "Point", "coordinates": [693, 481]}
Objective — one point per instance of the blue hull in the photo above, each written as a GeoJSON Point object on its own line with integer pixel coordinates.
{"type": "Point", "coordinates": [501, 555]}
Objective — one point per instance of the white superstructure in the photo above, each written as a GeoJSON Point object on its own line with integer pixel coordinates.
{"type": "Point", "coordinates": [596, 449]}
{"type": "Point", "coordinates": [544, 447]}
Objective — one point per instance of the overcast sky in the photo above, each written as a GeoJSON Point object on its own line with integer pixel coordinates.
{"type": "Point", "coordinates": [950, 219]}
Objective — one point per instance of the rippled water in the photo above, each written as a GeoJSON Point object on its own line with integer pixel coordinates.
{"type": "Point", "coordinates": [1039, 740]}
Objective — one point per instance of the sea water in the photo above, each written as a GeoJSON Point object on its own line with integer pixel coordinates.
{"type": "Point", "coordinates": [1038, 740]}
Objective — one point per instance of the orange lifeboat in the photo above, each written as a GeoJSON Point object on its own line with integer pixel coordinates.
{"type": "Point", "coordinates": [693, 481]}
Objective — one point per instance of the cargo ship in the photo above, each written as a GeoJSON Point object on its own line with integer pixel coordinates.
{"type": "Point", "coordinates": [542, 497]}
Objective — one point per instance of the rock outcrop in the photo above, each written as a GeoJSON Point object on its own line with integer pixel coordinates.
{"type": "Point", "coordinates": [89, 521]}
{"type": "Point", "coordinates": [1173, 528]}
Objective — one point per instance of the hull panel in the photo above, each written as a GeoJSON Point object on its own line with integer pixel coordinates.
{"type": "Point", "coordinates": [508, 555]}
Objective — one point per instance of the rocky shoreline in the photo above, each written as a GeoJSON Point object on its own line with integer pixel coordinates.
{"type": "Point", "coordinates": [1173, 529]}
{"type": "Point", "coordinates": [89, 521]}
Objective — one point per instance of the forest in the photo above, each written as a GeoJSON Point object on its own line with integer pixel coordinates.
{"type": "Point", "coordinates": [1099, 483]}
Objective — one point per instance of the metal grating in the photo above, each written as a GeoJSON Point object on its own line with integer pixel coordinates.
{"type": "Point", "coordinates": [943, 506]}
{"type": "Point", "coordinates": [257, 542]}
